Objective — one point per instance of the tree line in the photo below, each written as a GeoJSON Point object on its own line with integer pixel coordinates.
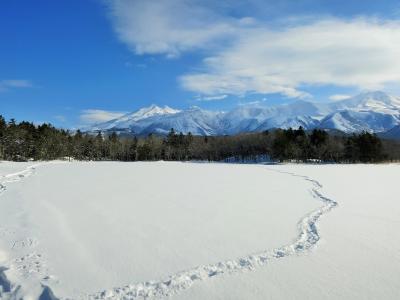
{"type": "Point", "coordinates": [24, 140]}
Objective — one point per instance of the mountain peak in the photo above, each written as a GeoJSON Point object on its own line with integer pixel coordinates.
{"type": "Point", "coordinates": [377, 96]}
{"type": "Point", "coordinates": [376, 101]}
{"type": "Point", "coordinates": [150, 111]}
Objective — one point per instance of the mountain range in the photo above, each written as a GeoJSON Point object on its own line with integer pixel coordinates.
{"type": "Point", "coordinates": [372, 111]}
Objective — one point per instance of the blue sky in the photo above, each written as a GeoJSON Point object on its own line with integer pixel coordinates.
{"type": "Point", "coordinates": [72, 62]}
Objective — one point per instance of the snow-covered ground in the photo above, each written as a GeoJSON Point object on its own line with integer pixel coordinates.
{"type": "Point", "coordinates": [199, 231]}
{"type": "Point", "coordinates": [358, 256]}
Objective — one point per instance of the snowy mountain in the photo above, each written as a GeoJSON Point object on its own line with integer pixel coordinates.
{"type": "Point", "coordinates": [258, 118]}
{"type": "Point", "coordinates": [378, 102]}
{"type": "Point", "coordinates": [194, 120]}
{"type": "Point", "coordinates": [356, 121]}
{"type": "Point", "coordinates": [372, 111]}
{"type": "Point", "coordinates": [131, 118]}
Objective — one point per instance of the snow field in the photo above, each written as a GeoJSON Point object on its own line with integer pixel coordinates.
{"type": "Point", "coordinates": [199, 231]}
{"type": "Point", "coordinates": [117, 224]}
{"type": "Point", "coordinates": [357, 257]}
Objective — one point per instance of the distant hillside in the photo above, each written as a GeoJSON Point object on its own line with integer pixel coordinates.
{"type": "Point", "coordinates": [392, 134]}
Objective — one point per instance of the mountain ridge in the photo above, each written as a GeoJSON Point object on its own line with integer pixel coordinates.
{"type": "Point", "coordinates": [370, 111]}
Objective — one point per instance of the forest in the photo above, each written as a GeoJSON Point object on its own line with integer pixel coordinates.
{"type": "Point", "coordinates": [25, 141]}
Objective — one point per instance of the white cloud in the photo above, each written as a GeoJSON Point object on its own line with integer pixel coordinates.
{"type": "Point", "coordinates": [93, 116]}
{"type": "Point", "coordinates": [14, 83]}
{"type": "Point", "coordinates": [211, 98]}
{"type": "Point", "coordinates": [339, 97]}
{"type": "Point", "coordinates": [358, 53]}
{"type": "Point", "coordinates": [168, 27]}
{"type": "Point", "coordinates": [254, 102]}
{"type": "Point", "coordinates": [244, 55]}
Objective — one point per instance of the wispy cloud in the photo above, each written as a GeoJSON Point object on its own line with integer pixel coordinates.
{"type": "Point", "coordinates": [339, 97]}
{"type": "Point", "coordinates": [211, 98]}
{"type": "Point", "coordinates": [246, 55]}
{"type": "Point", "coordinates": [255, 102]}
{"type": "Point", "coordinates": [93, 116]}
{"type": "Point", "coordinates": [9, 84]}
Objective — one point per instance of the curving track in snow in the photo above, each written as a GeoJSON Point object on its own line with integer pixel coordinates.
{"type": "Point", "coordinates": [308, 237]}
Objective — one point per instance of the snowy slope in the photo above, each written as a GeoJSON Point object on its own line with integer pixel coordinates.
{"type": "Point", "coordinates": [258, 118]}
{"type": "Point", "coordinates": [359, 120]}
{"type": "Point", "coordinates": [372, 111]}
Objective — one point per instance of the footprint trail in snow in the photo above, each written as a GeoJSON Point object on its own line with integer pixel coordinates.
{"type": "Point", "coordinates": [308, 237]}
